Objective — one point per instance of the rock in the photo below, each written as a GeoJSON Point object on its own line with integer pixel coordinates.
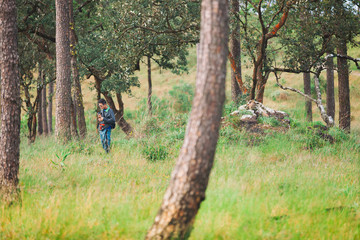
{"type": "Point", "coordinates": [250, 113]}
{"type": "Point", "coordinates": [249, 118]}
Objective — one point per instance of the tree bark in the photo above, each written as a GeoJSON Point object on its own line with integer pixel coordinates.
{"type": "Point", "coordinates": [343, 82]}
{"type": "Point", "coordinates": [119, 117]}
{"type": "Point", "coordinates": [44, 106]}
{"type": "Point", "coordinates": [330, 96]}
{"type": "Point", "coordinates": [40, 105]}
{"type": "Point", "coordinates": [31, 110]}
{"type": "Point", "coordinates": [78, 98]}
{"type": "Point", "coordinates": [149, 103]}
{"type": "Point", "coordinates": [73, 124]}
{"type": "Point", "coordinates": [50, 106]}
{"type": "Point", "coordinates": [191, 174]}
{"type": "Point", "coordinates": [307, 91]}
{"type": "Point", "coordinates": [10, 102]}
{"type": "Point", "coordinates": [260, 80]}
{"type": "Point", "coordinates": [63, 72]}
{"type": "Point", "coordinates": [235, 51]}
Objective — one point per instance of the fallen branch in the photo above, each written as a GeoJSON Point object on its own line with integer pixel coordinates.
{"type": "Point", "coordinates": [355, 60]}
{"type": "Point", "coordinates": [327, 119]}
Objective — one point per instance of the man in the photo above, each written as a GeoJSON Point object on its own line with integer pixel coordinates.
{"type": "Point", "coordinates": [106, 120]}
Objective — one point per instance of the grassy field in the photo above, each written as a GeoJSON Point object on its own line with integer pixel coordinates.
{"type": "Point", "coordinates": [292, 185]}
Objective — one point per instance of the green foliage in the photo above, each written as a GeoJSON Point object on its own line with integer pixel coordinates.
{"type": "Point", "coordinates": [182, 96]}
{"type": "Point", "coordinates": [151, 126]}
{"type": "Point", "coordinates": [339, 134]}
{"type": "Point", "coordinates": [160, 109]}
{"type": "Point", "coordinates": [229, 135]}
{"type": "Point", "coordinates": [229, 108]}
{"type": "Point", "coordinates": [60, 162]}
{"type": "Point", "coordinates": [154, 151]}
{"type": "Point", "coordinates": [82, 147]}
{"type": "Point", "coordinates": [269, 121]}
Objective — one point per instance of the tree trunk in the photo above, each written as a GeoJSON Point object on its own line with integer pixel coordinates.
{"type": "Point", "coordinates": [50, 106]}
{"type": "Point", "coordinates": [40, 104]}
{"type": "Point", "coordinates": [43, 106]}
{"type": "Point", "coordinates": [235, 51]}
{"type": "Point", "coordinates": [344, 90]}
{"type": "Point", "coordinates": [31, 123]}
{"type": "Point", "coordinates": [78, 98]}
{"type": "Point", "coordinates": [63, 72]}
{"type": "Point", "coordinates": [10, 102]}
{"type": "Point", "coordinates": [191, 174]}
{"type": "Point", "coordinates": [150, 86]}
{"type": "Point", "coordinates": [73, 126]}
{"type": "Point", "coordinates": [330, 96]}
{"type": "Point", "coordinates": [119, 117]}
{"type": "Point", "coordinates": [307, 91]}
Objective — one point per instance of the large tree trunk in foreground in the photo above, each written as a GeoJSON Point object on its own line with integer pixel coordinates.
{"type": "Point", "coordinates": [149, 103]}
{"type": "Point", "coordinates": [307, 91]}
{"type": "Point", "coordinates": [10, 102]}
{"type": "Point", "coordinates": [63, 72]}
{"type": "Point", "coordinates": [344, 90]}
{"type": "Point", "coordinates": [235, 51]}
{"type": "Point", "coordinates": [78, 98]}
{"type": "Point", "coordinates": [191, 174]}
{"type": "Point", "coordinates": [330, 96]}
{"type": "Point", "coordinates": [50, 109]}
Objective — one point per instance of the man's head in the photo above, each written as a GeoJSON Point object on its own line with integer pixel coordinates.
{"type": "Point", "coordinates": [102, 104]}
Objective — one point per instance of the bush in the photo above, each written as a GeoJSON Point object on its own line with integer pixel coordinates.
{"type": "Point", "coordinates": [151, 126]}
{"type": "Point", "coordinates": [160, 108]}
{"type": "Point", "coordinates": [269, 121]}
{"type": "Point", "coordinates": [229, 134]}
{"type": "Point", "coordinates": [338, 134]}
{"type": "Point", "coordinates": [183, 96]}
{"type": "Point", "coordinates": [154, 152]}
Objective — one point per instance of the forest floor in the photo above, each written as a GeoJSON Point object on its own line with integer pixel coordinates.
{"type": "Point", "coordinates": [280, 185]}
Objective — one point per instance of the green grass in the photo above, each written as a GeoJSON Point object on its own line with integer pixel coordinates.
{"type": "Point", "coordinates": [277, 188]}
{"type": "Point", "coordinates": [291, 185]}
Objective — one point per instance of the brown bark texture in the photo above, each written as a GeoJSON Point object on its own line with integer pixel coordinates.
{"type": "Point", "coordinates": [63, 72]}
{"type": "Point", "coordinates": [307, 91]}
{"type": "Point", "coordinates": [50, 106]}
{"type": "Point", "coordinates": [343, 84]}
{"type": "Point", "coordinates": [31, 109]}
{"type": "Point", "coordinates": [260, 79]}
{"type": "Point", "coordinates": [40, 105]}
{"type": "Point", "coordinates": [44, 106]}
{"type": "Point", "coordinates": [190, 176]}
{"type": "Point", "coordinates": [78, 98]}
{"type": "Point", "coordinates": [73, 125]}
{"type": "Point", "coordinates": [330, 95]}
{"type": "Point", "coordinates": [10, 102]}
{"type": "Point", "coordinates": [235, 51]}
{"type": "Point", "coordinates": [149, 103]}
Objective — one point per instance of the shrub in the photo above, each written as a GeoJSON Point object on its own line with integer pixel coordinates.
{"type": "Point", "coordinates": [229, 134]}
{"type": "Point", "coordinates": [269, 121]}
{"type": "Point", "coordinates": [151, 126]}
{"type": "Point", "coordinates": [154, 152]}
{"type": "Point", "coordinates": [182, 95]}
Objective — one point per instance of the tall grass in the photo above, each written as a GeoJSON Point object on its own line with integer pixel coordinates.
{"type": "Point", "coordinates": [269, 186]}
